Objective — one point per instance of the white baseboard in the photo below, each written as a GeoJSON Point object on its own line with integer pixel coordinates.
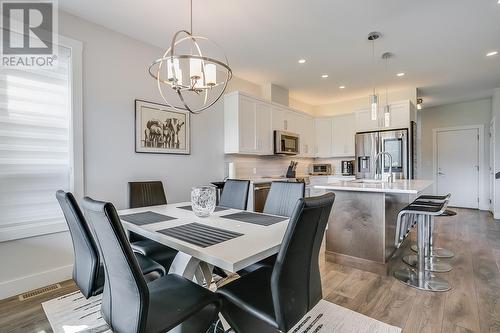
{"type": "Point", "coordinates": [30, 282]}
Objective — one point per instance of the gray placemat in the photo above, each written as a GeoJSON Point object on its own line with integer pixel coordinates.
{"type": "Point", "coordinates": [217, 209]}
{"type": "Point", "coordinates": [199, 234]}
{"type": "Point", "coordinates": [255, 218]}
{"type": "Point", "coordinates": [146, 218]}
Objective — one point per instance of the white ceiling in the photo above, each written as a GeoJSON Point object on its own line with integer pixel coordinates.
{"type": "Point", "coordinates": [441, 45]}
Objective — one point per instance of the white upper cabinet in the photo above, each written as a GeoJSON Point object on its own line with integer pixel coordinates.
{"type": "Point", "coordinates": [323, 135]}
{"type": "Point", "coordinates": [264, 131]}
{"type": "Point", "coordinates": [247, 126]}
{"type": "Point", "coordinates": [400, 117]}
{"type": "Point", "coordinates": [343, 132]}
{"type": "Point", "coordinates": [249, 123]}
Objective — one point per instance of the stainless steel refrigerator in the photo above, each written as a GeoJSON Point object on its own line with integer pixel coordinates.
{"type": "Point", "coordinates": [399, 143]}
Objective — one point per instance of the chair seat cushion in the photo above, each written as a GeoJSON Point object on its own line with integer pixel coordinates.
{"type": "Point", "coordinates": [160, 253]}
{"type": "Point", "coordinates": [252, 293]}
{"type": "Point", "coordinates": [173, 299]}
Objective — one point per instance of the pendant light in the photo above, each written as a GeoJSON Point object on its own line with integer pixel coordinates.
{"type": "Point", "coordinates": [372, 37]}
{"type": "Point", "coordinates": [187, 78]}
{"type": "Point", "coordinates": [387, 108]}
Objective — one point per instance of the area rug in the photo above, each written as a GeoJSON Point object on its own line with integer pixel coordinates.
{"type": "Point", "coordinates": [73, 313]}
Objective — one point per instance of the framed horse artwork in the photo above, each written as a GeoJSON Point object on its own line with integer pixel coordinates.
{"type": "Point", "coordinates": [161, 129]}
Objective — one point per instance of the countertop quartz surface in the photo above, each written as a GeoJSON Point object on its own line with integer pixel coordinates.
{"type": "Point", "coordinates": [411, 186]}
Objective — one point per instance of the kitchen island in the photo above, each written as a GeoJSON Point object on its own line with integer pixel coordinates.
{"type": "Point", "coordinates": [362, 223]}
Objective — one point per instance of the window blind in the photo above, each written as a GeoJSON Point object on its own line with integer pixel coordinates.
{"type": "Point", "coordinates": [35, 146]}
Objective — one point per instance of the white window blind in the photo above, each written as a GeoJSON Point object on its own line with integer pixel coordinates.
{"type": "Point", "coordinates": [35, 147]}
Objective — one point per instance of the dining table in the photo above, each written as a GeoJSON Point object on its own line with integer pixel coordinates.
{"type": "Point", "coordinates": [228, 238]}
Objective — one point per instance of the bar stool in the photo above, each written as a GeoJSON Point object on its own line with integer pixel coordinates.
{"type": "Point", "coordinates": [421, 278]}
{"type": "Point", "coordinates": [436, 252]}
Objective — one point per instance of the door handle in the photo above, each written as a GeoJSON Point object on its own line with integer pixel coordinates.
{"type": "Point", "coordinates": [441, 173]}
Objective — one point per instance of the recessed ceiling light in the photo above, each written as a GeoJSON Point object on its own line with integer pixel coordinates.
{"type": "Point", "coordinates": [342, 87]}
{"type": "Point", "coordinates": [302, 61]}
{"type": "Point", "coordinates": [324, 76]}
{"type": "Point", "coordinates": [492, 53]}
{"type": "Point", "coordinates": [401, 74]}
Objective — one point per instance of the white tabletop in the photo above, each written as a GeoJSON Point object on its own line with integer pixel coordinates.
{"type": "Point", "coordinates": [258, 242]}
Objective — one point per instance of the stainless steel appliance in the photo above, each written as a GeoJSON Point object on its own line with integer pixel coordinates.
{"type": "Point", "coordinates": [398, 143]}
{"type": "Point", "coordinates": [286, 143]}
{"type": "Point", "coordinates": [347, 168]}
{"type": "Point", "coordinates": [320, 169]}
{"type": "Point", "coordinates": [260, 192]}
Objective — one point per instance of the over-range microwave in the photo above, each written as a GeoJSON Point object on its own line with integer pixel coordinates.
{"type": "Point", "coordinates": [286, 143]}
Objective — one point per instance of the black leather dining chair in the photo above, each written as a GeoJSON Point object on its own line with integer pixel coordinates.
{"type": "Point", "coordinates": [129, 304]}
{"type": "Point", "coordinates": [143, 194]}
{"type": "Point", "coordinates": [235, 194]}
{"type": "Point", "coordinates": [281, 200]}
{"type": "Point", "coordinates": [272, 300]}
{"type": "Point", "coordinates": [88, 272]}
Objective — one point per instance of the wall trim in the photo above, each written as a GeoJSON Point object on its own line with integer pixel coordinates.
{"type": "Point", "coordinates": [29, 282]}
{"type": "Point", "coordinates": [482, 204]}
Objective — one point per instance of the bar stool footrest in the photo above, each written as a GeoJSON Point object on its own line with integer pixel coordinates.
{"type": "Point", "coordinates": [429, 282]}
{"type": "Point", "coordinates": [432, 264]}
{"type": "Point", "coordinates": [437, 252]}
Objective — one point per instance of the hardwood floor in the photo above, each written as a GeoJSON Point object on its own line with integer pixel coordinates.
{"type": "Point", "coordinates": [473, 305]}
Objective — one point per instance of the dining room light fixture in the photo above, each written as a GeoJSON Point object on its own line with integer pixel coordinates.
{"type": "Point", "coordinates": [187, 78]}
{"type": "Point", "coordinates": [492, 53]}
{"type": "Point", "coordinates": [387, 108]}
{"type": "Point", "coordinates": [373, 99]}
{"type": "Point", "coordinates": [342, 87]}
{"type": "Point", "coordinates": [302, 61]}
{"type": "Point", "coordinates": [401, 74]}
{"type": "Point", "coordinates": [324, 76]}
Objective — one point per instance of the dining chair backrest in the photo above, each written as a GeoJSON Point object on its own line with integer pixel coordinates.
{"type": "Point", "coordinates": [296, 280]}
{"type": "Point", "coordinates": [282, 198]}
{"type": "Point", "coordinates": [87, 262]}
{"type": "Point", "coordinates": [125, 296]}
{"type": "Point", "coordinates": [235, 194]}
{"type": "Point", "coordinates": [142, 194]}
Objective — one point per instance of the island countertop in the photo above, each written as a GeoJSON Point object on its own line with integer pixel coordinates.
{"type": "Point", "coordinates": [411, 186]}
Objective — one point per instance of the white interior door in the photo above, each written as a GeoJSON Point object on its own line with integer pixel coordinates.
{"type": "Point", "coordinates": [458, 166]}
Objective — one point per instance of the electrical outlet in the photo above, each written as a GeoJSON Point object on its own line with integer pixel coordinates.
{"type": "Point", "coordinates": [254, 171]}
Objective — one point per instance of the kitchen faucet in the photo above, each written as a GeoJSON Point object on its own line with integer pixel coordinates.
{"type": "Point", "coordinates": [390, 179]}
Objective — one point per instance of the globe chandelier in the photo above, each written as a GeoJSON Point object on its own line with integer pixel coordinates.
{"type": "Point", "coordinates": [187, 77]}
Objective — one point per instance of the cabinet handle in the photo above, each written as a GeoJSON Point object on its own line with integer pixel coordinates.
{"type": "Point", "coordinates": [286, 124]}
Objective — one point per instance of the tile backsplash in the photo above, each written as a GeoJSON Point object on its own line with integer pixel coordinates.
{"type": "Point", "coordinates": [246, 166]}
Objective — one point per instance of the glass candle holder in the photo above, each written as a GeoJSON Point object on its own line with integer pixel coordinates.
{"type": "Point", "coordinates": [203, 200]}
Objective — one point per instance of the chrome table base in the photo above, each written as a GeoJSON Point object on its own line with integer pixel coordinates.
{"type": "Point", "coordinates": [425, 281]}
{"type": "Point", "coordinates": [431, 264]}
{"type": "Point", "coordinates": [437, 252]}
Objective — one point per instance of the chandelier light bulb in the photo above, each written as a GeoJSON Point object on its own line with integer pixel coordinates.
{"type": "Point", "coordinates": [172, 68]}
{"type": "Point", "coordinates": [195, 68]}
{"type": "Point", "coordinates": [210, 74]}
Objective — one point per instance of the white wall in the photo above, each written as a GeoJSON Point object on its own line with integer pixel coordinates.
{"type": "Point", "coordinates": [496, 114]}
{"type": "Point", "coordinates": [114, 74]}
{"type": "Point", "coordinates": [351, 105]}
{"type": "Point", "coordinates": [476, 112]}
